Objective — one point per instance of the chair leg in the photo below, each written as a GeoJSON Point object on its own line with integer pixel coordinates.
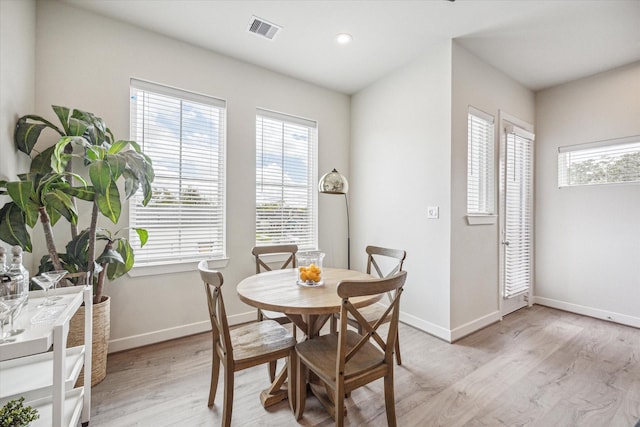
{"type": "Point", "coordinates": [398, 358]}
{"type": "Point", "coordinates": [228, 396]}
{"type": "Point", "coordinates": [215, 373]}
{"type": "Point", "coordinates": [339, 404]}
{"type": "Point", "coordinates": [301, 389]}
{"type": "Point", "coordinates": [389, 399]}
{"type": "Point", "coordinates": [292, 372]}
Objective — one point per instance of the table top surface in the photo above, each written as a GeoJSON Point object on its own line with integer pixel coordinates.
{"type": "Point", "coordinates": [277, 291]}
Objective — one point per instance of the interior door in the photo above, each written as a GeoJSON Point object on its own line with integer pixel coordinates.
{"type": "Point", "coordinates": [516, 218]}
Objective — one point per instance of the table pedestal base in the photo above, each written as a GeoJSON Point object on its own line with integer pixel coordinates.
{"type": "Point", "coordinates": [279, 390]}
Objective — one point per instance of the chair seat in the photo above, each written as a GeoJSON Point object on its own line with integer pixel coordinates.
{"type": "Point", "coordinates": [371, 313]}
{"type": "Point", "coordinates": [275, 315]}
{"type": "Point", "coordinates": [320, 354]}
{"type": "Point", "coordinates": [259, 341]}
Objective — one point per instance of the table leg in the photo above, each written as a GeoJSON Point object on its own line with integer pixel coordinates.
{"type": "Point", "coordinates": [278, 390]}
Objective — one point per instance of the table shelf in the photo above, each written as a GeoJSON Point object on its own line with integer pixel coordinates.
{"type": "Point", "coordinates": [32, 376]}
{"type": "Point", "coordinates": [39, 367]}
{"type": "Point", "coordinates": [73, 403]}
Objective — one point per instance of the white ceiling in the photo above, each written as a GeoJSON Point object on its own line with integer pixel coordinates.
{"type": "Point", "coordinates": [540, 43]}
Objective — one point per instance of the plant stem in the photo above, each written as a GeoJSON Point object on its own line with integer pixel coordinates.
{"type": "Point", "coordinates": [91, 256]}
{"type": "Point", "coordinates": [68, 149]}
{"type": "Point", "coordinates": [97, 298]}
{"type": "Point", "coordinates": [48, 235]}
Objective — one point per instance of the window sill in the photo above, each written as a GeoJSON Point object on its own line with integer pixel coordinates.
{"type": "Point", "coordinates": [482, 219]}
{"type": "Point", "coordinates": [160, 269]}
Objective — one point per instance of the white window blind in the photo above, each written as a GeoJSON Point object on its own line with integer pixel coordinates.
{"type": "Point", "coordinates": [184, 135]}
{"type": "Point", "coordinates": [286, 194]}
{"type": "Point", "coordinates": [480, 163]}
{"type": "Point", "coordinates": [603, 162]}
{"type": "Point", "coordinates": [518, 199]}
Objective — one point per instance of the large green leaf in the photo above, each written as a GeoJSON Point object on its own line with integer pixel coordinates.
{"type": "Point", "coordinates": [78, 248]}
{"type": "Point", "coordinates": [100, 175]}
{"type": "Point", "coordinates": [77, 127]}
{"type": "Point", "coordinates": [131, 183]}
{"type": "Point", "coordinates": [53, 214]}
{"type": "Point", "coordinates": [109, 203]}
{"type": "Point", "coordinates": [147, 192]}
{"type": "Point", "coordinates": [118, 146]}
{"type": "Point", "coordinates": [117, 164]}
{"type": "Point", "coordinates": [26, 135]}
{"type": "Point", "coordinates": [143, 235]}
{"type": "Point", "coordinates": [60, 157]}
{"type": "Point", "coordinates": [42, 162]}
{"type": "Point", "coordinates": [83, 193]}
{"type": "Point", "coordinates": [63, 116]}
{"type": "Point", "coordinates": [13, 228]}
{"type": "Point", "coordinates": [27, 132]}
{"type": "Point", "coordinates": [125, 250]}
{"type": "Point", "coordinates": [20, 192]}
{"type": "Point", "coordinates": [109, 256]}
{"type": "Point", "coordinates": [61, 203]}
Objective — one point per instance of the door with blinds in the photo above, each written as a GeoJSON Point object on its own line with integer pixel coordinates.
{"type": "Point", "coordinates": [516, 219]}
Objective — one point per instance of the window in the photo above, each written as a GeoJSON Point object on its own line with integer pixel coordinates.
{"type": "Point", "coordinates": [184, 135]}
{"type": "Point", "coordinates": [480, 164]}
{"type": "Point", "coordinates": [286, 194]}
{"type": "Point", "coordinates": [603, 162]}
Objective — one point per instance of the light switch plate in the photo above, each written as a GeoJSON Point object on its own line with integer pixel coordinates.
{"type": "Point", "coordinates": [433, 212]}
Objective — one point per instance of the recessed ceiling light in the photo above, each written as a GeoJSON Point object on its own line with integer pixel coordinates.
{"type": "Point", "coordinates": [344, 38]}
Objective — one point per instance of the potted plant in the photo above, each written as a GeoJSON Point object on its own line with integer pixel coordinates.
{"type": "Point", "coordinates": [50, 189]}
{"type": "Point", "coordinates": [15, 414]}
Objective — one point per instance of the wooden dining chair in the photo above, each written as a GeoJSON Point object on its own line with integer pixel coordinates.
{"type": "Point", "coordinates": [242, 347]}
{"type": "Point", "coordinates": [259, 252]}
{"type": "Point", "coordinates": [346, 360]}
{"type": "Point", "coordinates": [382, 262]}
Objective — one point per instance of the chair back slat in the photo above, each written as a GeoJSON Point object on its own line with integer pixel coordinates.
{"type": "Point", "coordinates": [347, 289]}
{"type": "Point", "coordinates": [378, 255]}
{"type": "Point", "coordinates": [213, 281]}
{"type": "Point", "coordinates": [259, 251]}
{"type": "Point", "coordinates": [392, 259]}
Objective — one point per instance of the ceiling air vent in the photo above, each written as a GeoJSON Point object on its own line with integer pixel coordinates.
{"type": "Point", "coordinates": [263, 28]}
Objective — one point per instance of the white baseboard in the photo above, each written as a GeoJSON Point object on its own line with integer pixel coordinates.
{"type": "Point", "coordinates": [475, 325]}
{"type": "Point", "coordinates": [428, 327]}
{"type": "Point", "coordinates": [134, 341]}
{"type": "Point", "coordinates": [611, 316]}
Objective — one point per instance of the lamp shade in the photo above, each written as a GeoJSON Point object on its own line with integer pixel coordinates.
{"type": "Point", "coordinates": [333, 183]}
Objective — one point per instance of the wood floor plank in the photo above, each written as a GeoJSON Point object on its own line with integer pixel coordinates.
{"type": "Point", "coordinates": [538, 367]}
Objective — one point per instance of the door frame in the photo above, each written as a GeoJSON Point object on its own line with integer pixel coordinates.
{"type": "Point", "coordinates": [508, 306]}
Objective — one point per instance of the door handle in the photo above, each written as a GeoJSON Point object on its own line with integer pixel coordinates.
{"type": "Point", "coordinates": [506, 242]}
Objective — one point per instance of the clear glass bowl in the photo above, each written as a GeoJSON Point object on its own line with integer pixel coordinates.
{"type": "Point", "coordinates": [310, 268]}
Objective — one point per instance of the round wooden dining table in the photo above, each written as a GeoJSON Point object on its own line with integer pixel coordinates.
{"type": "Point", "coordinates": [308, 307]}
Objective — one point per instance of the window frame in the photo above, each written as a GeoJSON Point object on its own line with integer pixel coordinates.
{"type": "Point", "coordinates": [184, 261]}
{"type": "Point", "coordinates": [484, 162]}
{"type": "Point", "coordinates": [311, 172]}
{"type": "Point", "coordinates": [583, 151]}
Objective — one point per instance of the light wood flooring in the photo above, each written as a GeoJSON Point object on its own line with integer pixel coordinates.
{"type": "Point", "coordinates": [538, 367]}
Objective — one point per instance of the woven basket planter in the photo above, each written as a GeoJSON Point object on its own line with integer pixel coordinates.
{"type": "Point", "coordinates": [100, 344]}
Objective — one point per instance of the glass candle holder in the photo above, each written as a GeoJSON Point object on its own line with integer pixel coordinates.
{"type": "Point", "coordinates": [310, 268]}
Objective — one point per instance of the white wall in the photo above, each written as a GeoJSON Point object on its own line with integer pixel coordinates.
{"type": "Point", "coordinates": [588, 238]}
{"type": "Point", "coordinates": [474, 248]}
{"type": "Point", "coordinates": [17, 73]}
{"type": "Point", "coordinates": [85, 61]}
{"type": "Point", "coordinates": [400, 165]}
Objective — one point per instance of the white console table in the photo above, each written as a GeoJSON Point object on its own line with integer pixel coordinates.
{"type": "Point", "coordinates": [38, 365]}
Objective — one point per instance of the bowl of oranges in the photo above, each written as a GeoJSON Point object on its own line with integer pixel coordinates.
{"type": "Point", "coordinates": [309, 268]}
